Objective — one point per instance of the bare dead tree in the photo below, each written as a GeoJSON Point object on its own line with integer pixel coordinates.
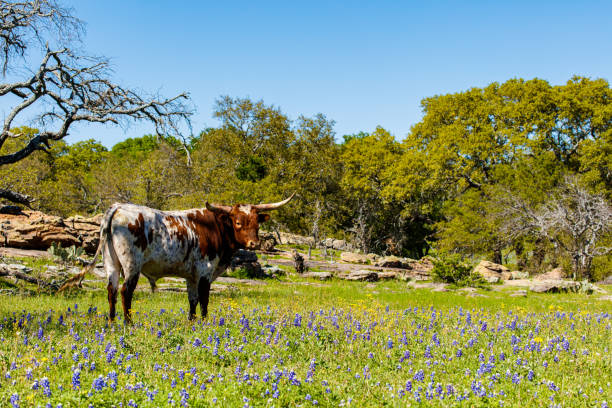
{"type": "Point", "coordinates": [24, 24]}
{"type": "Point", "coordinates": [361, 229]}
{"type": "Point", "coordinates": [573, 220]}
{"type": "Point", "coordinates": [69, 88]}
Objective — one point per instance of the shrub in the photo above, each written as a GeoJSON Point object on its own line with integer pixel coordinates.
{"type": "Point", "coordinates": [455, 270]}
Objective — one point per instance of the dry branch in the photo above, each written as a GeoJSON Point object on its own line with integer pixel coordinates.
{"type": "Point", "coordinates": [8, 271]}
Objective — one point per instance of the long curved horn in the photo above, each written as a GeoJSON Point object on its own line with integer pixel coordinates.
{"type": "Point", "coordinates": [273, 206]}
{"type": "Point", "coordinates": [218, 208]}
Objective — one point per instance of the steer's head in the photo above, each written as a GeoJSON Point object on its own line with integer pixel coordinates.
{"type": "Point", "coordinates": [245, 220]}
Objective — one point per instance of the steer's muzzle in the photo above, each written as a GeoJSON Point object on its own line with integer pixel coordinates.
{"type": "Point", "coordinates": [252, 245]}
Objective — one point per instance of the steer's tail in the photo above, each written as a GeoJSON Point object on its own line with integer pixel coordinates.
{"type": "Point", "coordinates": [104, 236]}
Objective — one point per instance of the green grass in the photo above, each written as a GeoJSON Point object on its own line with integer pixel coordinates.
{"type": "Point", "coordinates": [309, 342]}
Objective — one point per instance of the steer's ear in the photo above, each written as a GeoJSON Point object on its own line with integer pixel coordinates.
{"type": "Point", "coordinates": [263, 218]}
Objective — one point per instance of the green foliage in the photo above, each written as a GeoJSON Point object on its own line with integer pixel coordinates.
{"type": "Point", "coordinates": [251, 169]}
{"type": "Point", "coordinates": [135, 147]}
{"type": "Point", "coordinates": [455, 270]}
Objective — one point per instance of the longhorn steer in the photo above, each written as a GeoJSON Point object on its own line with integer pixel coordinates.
{"type": "Point", "coordinates": [196, 245]}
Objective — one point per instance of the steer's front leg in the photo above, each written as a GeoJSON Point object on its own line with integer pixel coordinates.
{"type": "Point", "coordinates": [192, 294]}
{"type": "Point", "coordinates": [204, 292]}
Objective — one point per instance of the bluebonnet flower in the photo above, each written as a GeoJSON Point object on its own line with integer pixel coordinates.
{"type": "Point", "coordinates": [98, 383]}
{"type": "Point", "coordinates": [46, 386]}
{"type": "Point", "coordinates": [15, 400]}
{"type": "Point", "coordinates": [76, 379]}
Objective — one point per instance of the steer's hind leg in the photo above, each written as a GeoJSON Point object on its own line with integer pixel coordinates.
{"type": "Point", "coordinates": [192, 294]}
{"type": "Point", "coordinates": [112, 267]}
{"type": "Point", "coordinates": [204, 292]}
{"type": "Point", "coordinates": [127, 291]}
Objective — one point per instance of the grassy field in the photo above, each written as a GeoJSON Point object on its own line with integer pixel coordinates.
{"type": "Point", "coordinates": [303, 343]}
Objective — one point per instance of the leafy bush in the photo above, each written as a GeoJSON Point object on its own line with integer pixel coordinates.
{"type": "Point", "coordinates": [455, 270]}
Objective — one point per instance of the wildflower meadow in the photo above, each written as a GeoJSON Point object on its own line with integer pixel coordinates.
{"type": "Point", "coordinates": [303, 343]}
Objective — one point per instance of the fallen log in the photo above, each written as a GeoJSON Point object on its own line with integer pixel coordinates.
{"type": "Point", "coordinates": [12, 271]}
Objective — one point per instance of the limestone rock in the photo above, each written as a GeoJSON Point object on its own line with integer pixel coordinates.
{"type": "Point", "coordinates": [492, 279]}
{"type": "Point", "coordinates": [554, 274]}
{"type": "Point", "coordinates": [392, 262]}
{"type": "Point", "coordinates": [387, 275]}
{"type": "Point", "coordinates": [242, 255]}
{"type": "Point", "coordinates": [267, 242]}
{"type": "Point", "coordinates": [294, 239]}
{"type": "Point", "coordinates": [36, 230]}
{"type": "Point", "coordinates": [328, 243]}
{"type": "Point", "coordinates": [352, 257]}
{"type": "Point", "coordinates": [372, 257]}
{"type": "Point", "coordinates": [273, 270]}
{"type": "Point", "coordinates": [339, 244]}
{"type": "Point", "coordinates": [362, 275]}
{"type": "Point", "coordinates": [318, 275]}
{"type": "Point", "coordinates": [555, 286]}
{"type": "Point", "coordinates": [422, 267]}
{"type": "Point", "coordinates": [514, 275]}
{"type": "Point", "coordinates": [492, 272]}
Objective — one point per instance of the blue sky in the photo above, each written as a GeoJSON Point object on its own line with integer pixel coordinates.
{"type": "Point", "coordinates": [361, 64]}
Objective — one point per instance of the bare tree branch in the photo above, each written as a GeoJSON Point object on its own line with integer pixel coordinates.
{"type": "Point", "coordinates": [76, 89]}
{"type": "Point", "coordinates": [16, 197]}
{"type": "Point", "coordinates": [24, 24]}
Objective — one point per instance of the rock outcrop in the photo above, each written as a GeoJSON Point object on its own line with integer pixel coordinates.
{"type": "Point", "coordinates": [352, 257]}
{"type": "Point", "coordinates": [492, 272]}
{"type": "Point", "coordinates": [318, 275]}
{"type": "Point", "coordinates": [555, 286]}
{"type": "Point", "coordinates": [36, 230]}
{"type": "Point", "coordinates": [554, 274]}
{"type": "Point", "coordinates": [361, 275]}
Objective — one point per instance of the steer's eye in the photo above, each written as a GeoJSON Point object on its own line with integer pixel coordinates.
{"type": "Point", "coordinates": [238, 224]}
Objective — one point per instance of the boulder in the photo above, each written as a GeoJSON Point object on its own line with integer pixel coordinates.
{"type": "Point", "coordinates": [318, 275]}
{"type": "Point", "coordinates": [555, 286]}
{"type": "Point", "coordinates": [328, 243]}
{"type": "Point", "coordinates": [554, 274]}
{"type": "Point", "coordinates": [426, 285]}
{"type": "Point", "coordinates": [352, 257]}
{"type": "Point", "coordinates": [393, 262]}
{"type": "Point", "coordinates": [387, 275]}
{"type": "Point", "coordinates": [372, 257]}
{"type": "Point", "coordinates": [362, 275]}
{"type": "Point", "coordinates": [514, 275]}
{"type": "Point", "coordinates": [490, 270]}
{"type": "Point", "coordinates": [273, 271]}
{"type": "Point", "coordinates": [492, 279]}
{"type": "Point", "coordinates": [422, 268]}
{"type": "Point", "coordinates": [267, 242]}
{"type": "Point", "coordinates": [243, 256]}
{"type": "Point", "coordinates": [37, 230]}
{"type": "Point", "coordinates": [339, 244]}
{"type": "Point", "coordinates": [294, 239]}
